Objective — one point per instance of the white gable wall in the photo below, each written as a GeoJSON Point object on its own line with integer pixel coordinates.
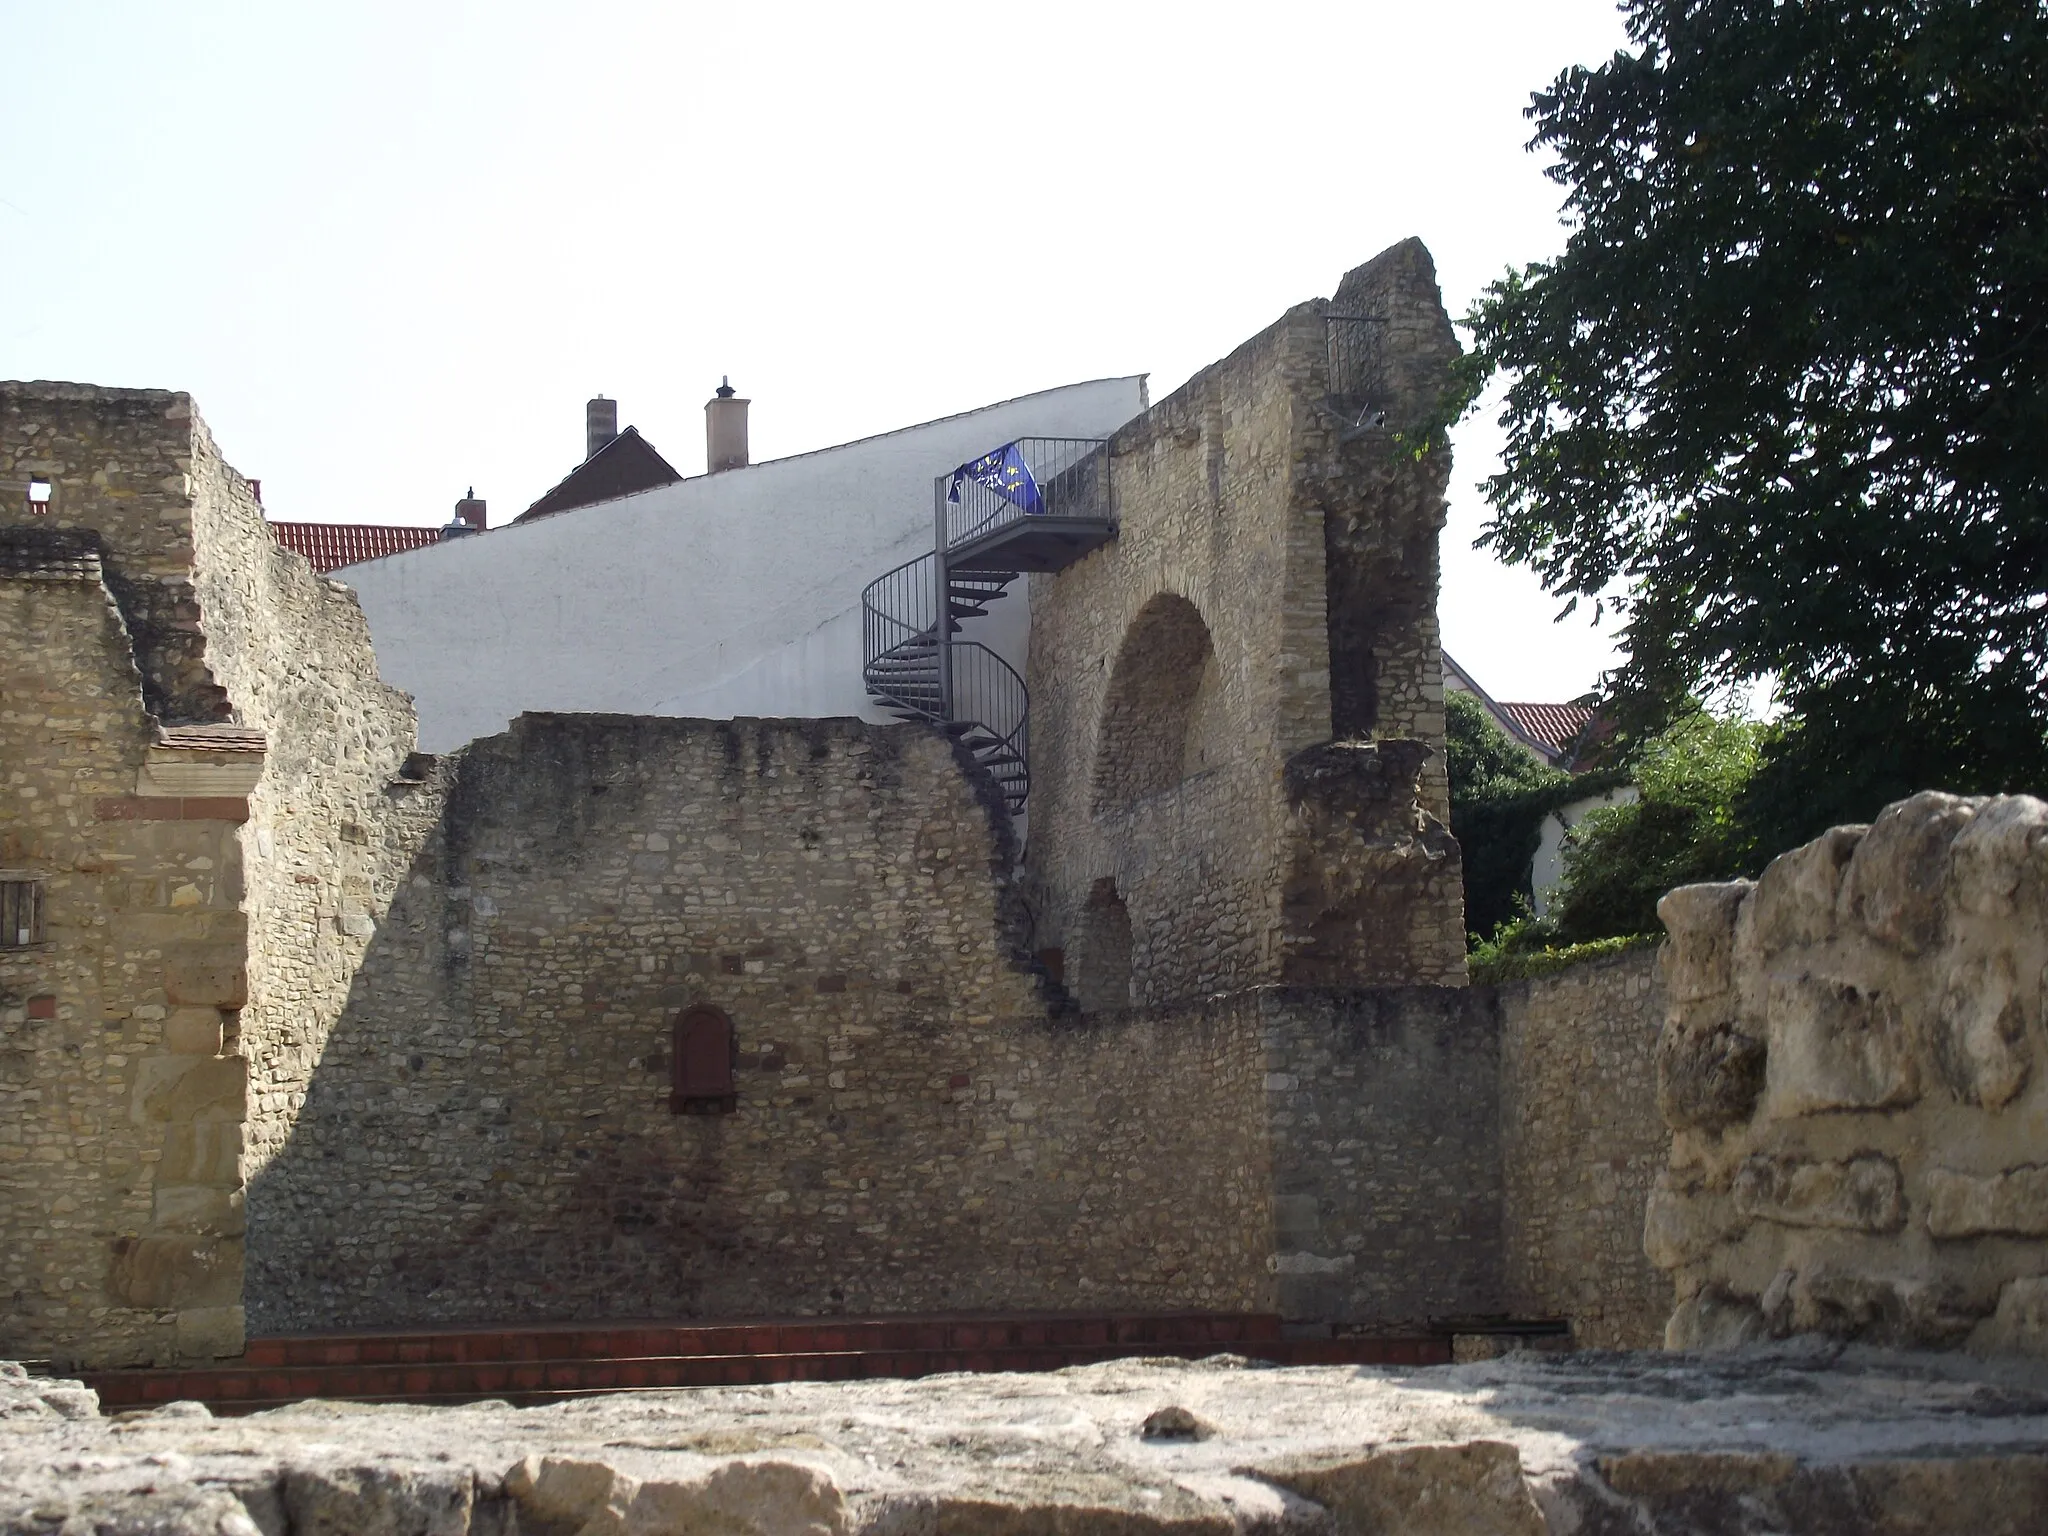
{"type": "Point", "coordinates": [726, 595]}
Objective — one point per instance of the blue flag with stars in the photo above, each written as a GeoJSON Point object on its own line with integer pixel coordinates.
{"type": "Point", "coordinates": [1004, 472]}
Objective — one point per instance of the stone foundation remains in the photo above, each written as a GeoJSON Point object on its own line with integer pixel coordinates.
{"type": "Point", "coordinates": [1530, 1446]}
{"type": "Point", "coordinates": [1852, 1070]}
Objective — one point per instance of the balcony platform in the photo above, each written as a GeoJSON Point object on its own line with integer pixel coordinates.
{"type": "Point", "coordinates": [1035, 542]}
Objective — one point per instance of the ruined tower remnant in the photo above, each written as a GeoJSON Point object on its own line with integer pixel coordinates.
{"type": "Point", "coordinates": [1237, 705]}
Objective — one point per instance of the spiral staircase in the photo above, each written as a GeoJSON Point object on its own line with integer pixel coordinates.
{"type": "Point", "coordinates": [987, 531]}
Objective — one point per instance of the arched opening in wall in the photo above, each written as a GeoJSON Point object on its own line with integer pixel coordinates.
{"type": "Point", "coordinates": [1099, 959]}
{"type": "Point", "coordinates": [701, 1081]}
{"type": "Point", "coordinates": [1153, 690]}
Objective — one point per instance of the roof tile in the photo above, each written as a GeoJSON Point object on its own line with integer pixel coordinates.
{"type": "Point", "coordinates": [330, 546]}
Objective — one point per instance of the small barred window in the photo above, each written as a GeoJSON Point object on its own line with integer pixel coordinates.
{"type": "Point", "coordinates": [21, 913]}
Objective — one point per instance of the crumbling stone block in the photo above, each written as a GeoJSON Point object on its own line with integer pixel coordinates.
{"type": "Point", "coordinates": [1888, 1182]}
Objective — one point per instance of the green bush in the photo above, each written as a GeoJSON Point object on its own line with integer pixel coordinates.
{"type": "Point", "coordinates": [1499, 797]}
{"type": "Point", "coordinates": [1504, 957]}
{"type": "Point", "coordinates": [1685, 828]}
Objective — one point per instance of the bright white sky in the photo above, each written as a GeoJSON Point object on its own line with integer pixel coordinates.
{"type": "Point", "coordinates": [391, 248]}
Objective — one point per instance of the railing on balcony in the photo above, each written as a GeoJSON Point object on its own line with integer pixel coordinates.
{"type": "Point", "coordinates": [1036, 504]}
{"type": "Point", "coordinates": [1042, 497]}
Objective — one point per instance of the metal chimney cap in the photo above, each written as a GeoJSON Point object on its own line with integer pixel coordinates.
{"type": "Point", "coordinates": [725, 390]}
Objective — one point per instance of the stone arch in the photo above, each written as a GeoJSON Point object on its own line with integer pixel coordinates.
{"type": "Point", "coordinates": [1160, 669]}
{"type": "Point", "coordinates": [1100, 956]}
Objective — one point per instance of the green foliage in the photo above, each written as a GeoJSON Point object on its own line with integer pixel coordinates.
{"type": "Point", "coordinates": [1786, 387]}
{"type": "Point", "coordinates": [1499, 797]}
{"type": "Point", "coordinates": [1685, 827]}
{"type": "Point", "coordinates": [1509, 956]}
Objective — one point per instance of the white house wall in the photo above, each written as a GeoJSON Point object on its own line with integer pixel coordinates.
{"type": "Point", "coordinates": [722, 596]}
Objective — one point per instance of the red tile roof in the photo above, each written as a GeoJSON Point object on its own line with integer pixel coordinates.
{"type": "Point", "coordinates": [330, 546]}
{"type": "Point", "coordinates": [1555, 727]}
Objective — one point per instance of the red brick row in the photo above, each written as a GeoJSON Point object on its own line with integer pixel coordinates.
{"type": "Point", "coordinates": [569, 1342]}
{"type": "Point", "coordinates": [172, 808]}
{"type": "Point", "coordinates": [251, 1385]}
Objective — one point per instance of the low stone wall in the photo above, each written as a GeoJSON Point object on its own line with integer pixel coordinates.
{"type": "Point", "coordinates": [1852, 1071]}
{"type": "Point", "coordinates": [488, 1136]}
{"type": "Point", "coordinates": [1382, 1108]}
{"type": "Point", "coordinates": [1581, 1145]}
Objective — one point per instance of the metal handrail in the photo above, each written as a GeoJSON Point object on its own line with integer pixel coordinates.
{"type": "Point", "coordinates": [897, 608]}
{"type": "Point", "coordinates": [979, 697]}
{"type": "Point", "coordinates": [988, 693]}
{"type": "Point", "coordinates": [1070, 476]}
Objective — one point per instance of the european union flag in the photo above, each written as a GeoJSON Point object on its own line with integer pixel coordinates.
{"type": "Point", "coordinates": [1004, 472]}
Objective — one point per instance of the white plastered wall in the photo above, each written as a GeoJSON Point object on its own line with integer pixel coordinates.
{"type": "Point", "coordinates": [722, 596]}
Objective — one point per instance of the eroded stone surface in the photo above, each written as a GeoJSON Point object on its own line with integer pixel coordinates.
{"type": "Point", "coordinates": [1521, 1446]}
{"type": "Point", "coordinates": [1860, 1137]}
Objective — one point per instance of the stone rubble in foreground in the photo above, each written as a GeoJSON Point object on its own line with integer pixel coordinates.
{"type": "Point", "coordinates": [1776, 1441]}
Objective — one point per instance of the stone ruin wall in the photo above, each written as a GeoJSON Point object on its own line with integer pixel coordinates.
{"type": "Point", "coordinates": [320, 853]}
{"type": "Point", "coordinates": [151, 594]}
{"type": "Point", "coordinates": [1853, 1072]}
{"type": "Point", "coordinates": [1581, 1145]}
{"type": "Point", "coordinates": [91, 1034]}
{"type": "Point", "coordinates": [489, 1137]}
{"type": "Point", "coordinates": [1194, 826]}
{"type": "Point", "coordinates": [1383, 1109]}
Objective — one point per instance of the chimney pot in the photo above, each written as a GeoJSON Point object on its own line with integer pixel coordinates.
{"type": "Point", "coordinates": [600, 424]}
{"type": "Point", "coordinates": [725, 430]}
{"type": "Point", "coordinates": [470, 512]}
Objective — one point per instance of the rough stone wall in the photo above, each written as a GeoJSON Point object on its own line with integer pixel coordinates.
{"type": "Point", "coordinates": [293, 653]}
{"type": "Point", "coordinates": [1852, 1070]}
{"type": "Point", "coordinates": [1581, 1144]}
{"type": "Point", "coordinates": [1178, 671]}
{"type": "Point", "coordinates": [120, 1198]}
{"type": "Point", "coordinates": [1381, 521]}
{"type": "Point", "coordinates": [1382, 1108]}
{"type": "Point", "coordinates": [199, 885]}
{"type": "Point", "coordinates": [489, 1136]}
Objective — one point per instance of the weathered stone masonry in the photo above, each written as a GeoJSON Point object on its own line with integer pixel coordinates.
{"type": "Point", "coordinates": [1581, 1145]}
{"type": "Point", "coordinates": [490, 1136]}
{"type": "Point", "coordinates": [199, 887]}
{"type": "Point", "coordinates": [1198, 777]}
{"type": "Point", "coordinates": [1852, 1070]}
{"type": "Point", "coordinates": [362, 1039]}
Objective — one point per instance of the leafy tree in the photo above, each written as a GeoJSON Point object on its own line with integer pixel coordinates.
{"type": "Point", "coordinates": [1786, 387]}
{"type": "Point", "coordinates": [1499, 797]}
{"type": "Point", "coordinates": [1685, 826]}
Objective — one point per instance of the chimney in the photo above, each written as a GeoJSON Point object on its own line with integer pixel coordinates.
{"type": "Point", "coordinates": [725, 430]}
{"type": "Point", "coordinates": [469, 513]}
{"type": "Point", "coordinates": [600, 424]}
